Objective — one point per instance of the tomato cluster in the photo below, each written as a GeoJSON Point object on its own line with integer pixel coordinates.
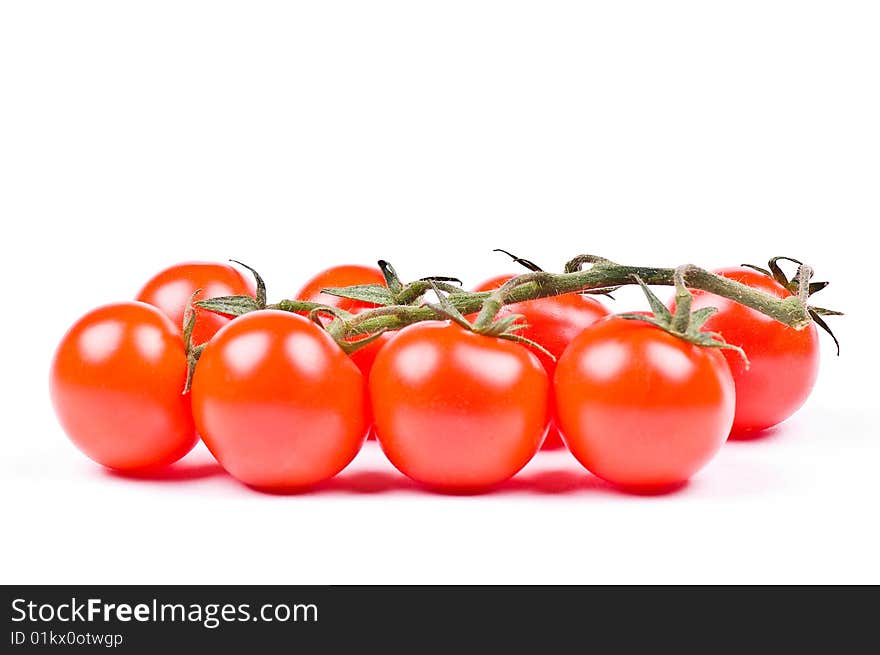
{"type": "Point", "coordinates": [281, 405]}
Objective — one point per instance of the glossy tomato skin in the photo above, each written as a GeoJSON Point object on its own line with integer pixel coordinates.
{"type": "Point", "coordinates": [277, 402]}
{"type": "Point", "coordinates": [553, 323]}
{"type": "Point", "coordinates": [783, 362]}
{"type": "Point", "coordinates": [170, 290]}
{"type": "Point", "coordinates": [458, 411]}
{"type": "Point", "coordinates": [639, 407]}
{"type": "Point", "coordinates": [116, 384]}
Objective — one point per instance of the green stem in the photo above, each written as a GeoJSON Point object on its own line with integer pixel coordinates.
{"type": "Point", "coordinates": [683, 300]}
{"type": "Point", "coordinates": [539, 284]}
{"type": "Point", "coordinates": [500, 296]}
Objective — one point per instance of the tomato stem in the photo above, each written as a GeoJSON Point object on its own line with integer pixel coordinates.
{"type": "Point", "coordinates": [683, 299]}
{"type": "Point", "coordinates": [583, 274]}
{"type": "Point", "coordinates": [193, 351]}
{"type": "Point", "coordinates": [601, 274]}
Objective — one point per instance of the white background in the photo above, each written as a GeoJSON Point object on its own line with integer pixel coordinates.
{"type": "Point", "coordinates": [295, 136]}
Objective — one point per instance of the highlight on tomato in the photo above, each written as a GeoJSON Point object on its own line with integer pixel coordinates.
{"type": "Point", "coordinates": [277, 402]}
{"type": "Point", "coordinates": [172, 289]}
{"type": "Point", "coordinates": [552, 323]}
{"type": "Point", "coordinates": [642, 408]}
{"type": "Point", "coordinates": [116, 381]}
{"type": "Point", "coordinates": [458, 411]}
{"type": "Point", "coordinates": [783, 362]}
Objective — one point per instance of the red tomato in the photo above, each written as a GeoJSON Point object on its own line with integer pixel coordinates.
{"type": "Point", "coordinates": [116, 383]}
{"type": "Point", "coordinates": [347, 276]}
{"type": "Point", "coordinates": [171, 289]}
{"type": "Point", "coordinates": [340, 276]}
{"type": "Point", "coordinates": [639, 407]}
{"type": "Point", "coordinates": [277, 402]}
{"type": "Point", "coordinates": [783, 362]}
{"type": "Point", "coordinates": [455, 410]}
{"type": "Point", "coordinates": [553, 322]}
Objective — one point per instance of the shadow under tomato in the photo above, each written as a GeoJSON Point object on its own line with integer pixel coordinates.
{"type": "Point", "coordinates": [369, 482]}
{"type": "Point", "coordinates": [373, 482]}
{"type": "Point", "coordinates": [756, 435]}
{"type": "Point", "coordinates": [548, 483]}
{"type": "Point", "coordinates": [545, 483]}
{"type": "Point", "coordinates": [662, 490]}
{"type": "Point", "coordinates": [558, 482]}
{"type": "Point", "coordinates": [356, 483]}
{"type": "Point", "coordinates": [177, 472]}
{"type": "Point", "coordinates": [554, 482]}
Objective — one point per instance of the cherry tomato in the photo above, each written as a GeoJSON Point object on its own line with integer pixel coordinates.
{"type": "Point", "coordinates": [455, 410]}
{"type": "Point", "coordinates": [341, 276]}
{"type": "Point", "coordinates": [639, 407]}
{"type": "Point", "coordinates": [116, 383]}
{"type": "Point", "coordinates": [553, 322]}
{"type": "Point", "coordinates": [347, 276]}
{"type": "Point", "coordinates": [277, 402]}
{"type": "Point", "coordinates": [171, 289]}
{"type": "Point", "coordinates": [783, 362]}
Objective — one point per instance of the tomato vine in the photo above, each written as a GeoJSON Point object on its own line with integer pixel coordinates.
{"type": "Point", "coordinates": [399, 304]}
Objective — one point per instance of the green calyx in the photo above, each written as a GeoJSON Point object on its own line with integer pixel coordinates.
{"type": "Point", "coordinates": [374, 294]}
{"type": "Point", "coordinates": [800, 285]}
{"type": "Point", "coordinates": [525, 263]}
{"type": "Point", "coordinates": [237, 305]}
{"type": "Point", "coordinates": [507, 327]}
{"type": "Point", "coordinates": [683, 323]}
{"type": "Point", "coordinates": [394, 297]}
{"type": "Point", "coordinates": [395, 292]}
{"type": "Point", "coordinates": [260, 297]}
{"type": "Point", "coordinates": [241, 305]}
